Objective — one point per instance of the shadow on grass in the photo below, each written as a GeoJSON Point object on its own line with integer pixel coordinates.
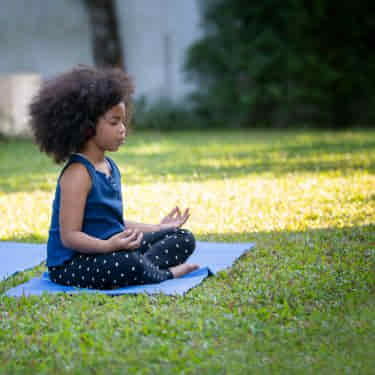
{"type": "Point", "coordinates": [162, 165]}
{"type": "Point", "coordinates": [254, 153]}
{"type": "Point", "coordinates": [200, 157]}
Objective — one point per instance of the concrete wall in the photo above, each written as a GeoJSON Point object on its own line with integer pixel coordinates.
{"type": "Point", "coordinates": [50, 36]}
{"type": "Point", "coordinates": [155, 36]}
{"type": "Point", "coordinates": [46, 37]}
{"type": "Point", "coordinates": [38, 38]}
{"type": "Point", "coordinates": [43, 36]}
{"type": "Point", "coordinates": [16, 91]}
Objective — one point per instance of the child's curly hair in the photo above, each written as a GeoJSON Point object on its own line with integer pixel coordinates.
{"type": "Point", "coordinates": [68, 105]}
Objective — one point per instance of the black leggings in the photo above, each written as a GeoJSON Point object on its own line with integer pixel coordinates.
{"type": "Point", "coordinates": [146, 265]}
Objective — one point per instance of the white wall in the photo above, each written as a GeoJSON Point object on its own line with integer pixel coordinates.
{"type": "Point", "coordinates": [17, 91]}
{"type": "Point", "coordinates": [155, 36]}
{"type": "Point", "coordinates": [43, 36]}
{"type": "Point", "coordinates": [50, 36]}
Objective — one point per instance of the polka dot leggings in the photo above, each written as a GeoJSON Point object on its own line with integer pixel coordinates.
{"type": "Point", "coordinates": [146, 265]}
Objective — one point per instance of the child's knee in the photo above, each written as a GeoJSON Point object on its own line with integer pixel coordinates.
{"type": "Point", "coordinates": [188, 239]}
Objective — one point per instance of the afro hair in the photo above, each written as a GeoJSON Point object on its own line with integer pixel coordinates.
{"type": "Point", "coordinates": [68, 105]}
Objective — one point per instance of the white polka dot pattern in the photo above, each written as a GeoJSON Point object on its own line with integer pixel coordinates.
{"type": "Point", "coordinates": [147, 264]}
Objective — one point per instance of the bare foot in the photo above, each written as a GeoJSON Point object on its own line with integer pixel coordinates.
{"type": "Point", "coordinates": [183, 269]}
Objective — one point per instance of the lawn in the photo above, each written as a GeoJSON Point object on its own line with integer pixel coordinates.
{"type": "Point", "coordinates": [302, 302]}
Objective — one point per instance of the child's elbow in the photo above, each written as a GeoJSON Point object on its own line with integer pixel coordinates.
{"type": "Point", "coordinates": [67, 240]}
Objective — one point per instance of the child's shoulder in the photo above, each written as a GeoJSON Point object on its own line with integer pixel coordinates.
{"type": "Point", "coordinates": [75, 173]}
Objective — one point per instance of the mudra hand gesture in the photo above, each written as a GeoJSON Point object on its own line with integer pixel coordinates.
{"type": "Point", "coordinates": [174, 219]}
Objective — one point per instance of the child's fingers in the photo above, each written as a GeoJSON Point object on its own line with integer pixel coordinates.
{"type": "Point", "coordinates": [186, 213]}
{"type": "Point", "coordinates": [184, 220]}
{"type": "Point", "coordinates": [176, 216]}
{"type": "Point", "coordinates": [172, 213]}
{"type": "Point", "coordinates": [128, 231]}
{"type": "Point", "coordinates": [137, 242]}
{"type": "Point", "coordinates": [137, 236]}
{"type": "Point", "coordinates": [139, 239]}
{"type": "Point", "coordinates": [181, 217]}
{"type": "Point", "coordinates": [129, 236]}
{"type": "Point", "coordinates": [128, 239]}
{"type": "Point", "coordinates": [121, 236]}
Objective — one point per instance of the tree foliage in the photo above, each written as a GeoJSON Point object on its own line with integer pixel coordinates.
{"type": "Point", "coordinates": [277, 62]}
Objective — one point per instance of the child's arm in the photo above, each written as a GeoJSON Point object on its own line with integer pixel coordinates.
{"type": "Point", "coordinates": [173, 220]}
{"type": "Point", "coordinates": [142, 227]}
{"type": "Point", "coordinates": [75, 185]}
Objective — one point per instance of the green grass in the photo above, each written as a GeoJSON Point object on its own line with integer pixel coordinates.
{"type": "Point", "coordinates": [301, 303]}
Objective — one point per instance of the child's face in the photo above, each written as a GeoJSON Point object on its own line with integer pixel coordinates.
{"type": "Point", "coordinates": [111, 130]}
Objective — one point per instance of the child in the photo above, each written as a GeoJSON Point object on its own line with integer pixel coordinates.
{"type": "Point", "coordinates": [77, 117]}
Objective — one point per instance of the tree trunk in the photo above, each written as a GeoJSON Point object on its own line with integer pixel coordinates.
{"type": "Point", "coordinates": [105, 35]}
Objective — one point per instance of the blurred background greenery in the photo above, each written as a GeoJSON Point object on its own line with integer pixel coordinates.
{"type": "Point", "coordinates": [272, 63]}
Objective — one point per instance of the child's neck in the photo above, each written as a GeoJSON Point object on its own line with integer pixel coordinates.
{"type": "Point", "coordinates": [94, 154]}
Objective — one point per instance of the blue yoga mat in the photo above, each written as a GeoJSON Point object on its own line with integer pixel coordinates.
{"type": "Point", "coordinates": [17, 257]}
{"type": "Point", "coordinates": [211, 256]}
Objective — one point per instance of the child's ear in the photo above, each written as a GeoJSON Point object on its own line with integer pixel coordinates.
{"type": "Point", "coordinates": [91, 131]}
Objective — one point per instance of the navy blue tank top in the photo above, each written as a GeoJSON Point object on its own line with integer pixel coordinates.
{"type": "Point", "coordinates": [103, 216]}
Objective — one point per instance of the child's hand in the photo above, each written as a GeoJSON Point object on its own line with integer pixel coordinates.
{"type": "Point", "coordinates": [175, 219]}
{"type": "Point", "coordinates": [129, 239]}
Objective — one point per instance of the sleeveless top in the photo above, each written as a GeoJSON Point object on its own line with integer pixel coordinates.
{"type": "Point", "coordinates": [103, 215]}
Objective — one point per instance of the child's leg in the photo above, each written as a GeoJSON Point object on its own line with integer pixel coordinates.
{"type": "Point", "coordinates": [168, 248]}
{"type": "Point", "coordinates": [108, 271]}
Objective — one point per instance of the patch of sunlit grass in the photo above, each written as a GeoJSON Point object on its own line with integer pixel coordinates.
{"type": "Point", "coordinates": [25, 214]}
